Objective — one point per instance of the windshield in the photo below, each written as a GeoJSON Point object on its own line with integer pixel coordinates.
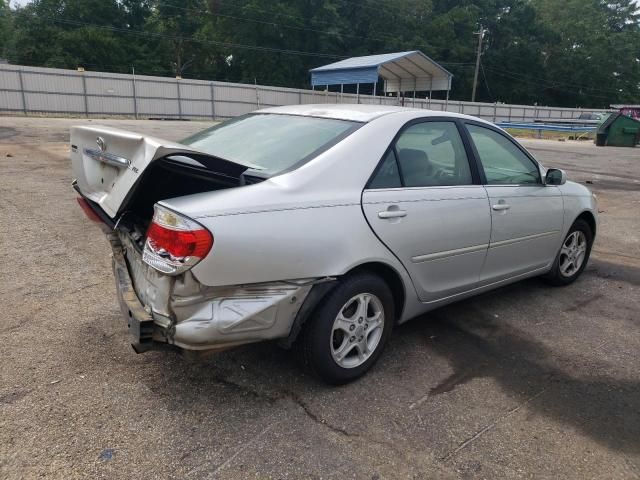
{"type": "Point", "coordinates": [271, 143]}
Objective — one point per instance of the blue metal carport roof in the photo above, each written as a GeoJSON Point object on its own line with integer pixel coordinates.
{"type": "Point", "coordinates": [402, 71]}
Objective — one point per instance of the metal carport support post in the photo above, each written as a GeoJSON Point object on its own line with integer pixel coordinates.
{"type": "Point", "coordinates": [430, 90]}
{"type": "Point", "coordinates": [415, 85]}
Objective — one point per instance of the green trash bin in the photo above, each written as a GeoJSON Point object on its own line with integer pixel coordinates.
{"type": "Point", "coordinates": [618, 131]}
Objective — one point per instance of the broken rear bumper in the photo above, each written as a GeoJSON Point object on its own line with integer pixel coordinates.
{"type": "Point", "coordinates": [179, 312]}
{"type": "Point", "coordinates": [139, 320]}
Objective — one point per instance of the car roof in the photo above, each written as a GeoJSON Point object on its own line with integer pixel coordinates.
{"type": "Point", "coordinates": [355, 112]}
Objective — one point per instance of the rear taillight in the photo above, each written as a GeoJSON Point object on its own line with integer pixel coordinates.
{"type": "Point", "coordinates": [175, 243]}
{"type": "Point", "coordinates": [88, 211]}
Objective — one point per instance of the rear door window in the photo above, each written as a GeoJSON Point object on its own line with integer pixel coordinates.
{"type": "Point", "coordinates": [427, 154]}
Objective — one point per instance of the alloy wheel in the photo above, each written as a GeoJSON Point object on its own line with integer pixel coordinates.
{"type": "Point", "coordinates": [357, 330]}
{"type": "Point", "coordinates": [573, 253]}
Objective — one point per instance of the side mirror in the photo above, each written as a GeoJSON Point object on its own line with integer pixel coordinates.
{"type": "Point", "coordinates": [555, 176]}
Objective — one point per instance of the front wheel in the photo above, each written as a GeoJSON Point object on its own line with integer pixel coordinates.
{"type": "Point", "coordinates": [349, 330]}
{"type": "Point", "coordinates": [573, 255]}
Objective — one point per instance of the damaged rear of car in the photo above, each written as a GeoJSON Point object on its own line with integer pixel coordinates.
{"type": "Point", "coordinates": [323, 226]}
{"type": "Point", "coordinates": [124, 181]}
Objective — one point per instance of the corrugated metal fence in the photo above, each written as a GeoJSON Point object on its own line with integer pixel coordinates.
{"type": "Point", "coordinates": [37, 91]}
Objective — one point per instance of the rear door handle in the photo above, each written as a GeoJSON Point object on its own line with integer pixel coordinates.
{"type": "Point", "coordinates": [392, 214]}
{"type": "Point", "coordinates": [501, 206]}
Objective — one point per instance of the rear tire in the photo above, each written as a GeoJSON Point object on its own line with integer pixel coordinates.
{"type": "Point", "coordinates": [573, 255]}
{"type": "Point", "coordinates": [348, 331]}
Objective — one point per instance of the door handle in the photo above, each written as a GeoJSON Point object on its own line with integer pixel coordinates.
{"type": "Point", "coordinates": [501, 206]}
{"type": "Point", "coordinates": [392, 214]}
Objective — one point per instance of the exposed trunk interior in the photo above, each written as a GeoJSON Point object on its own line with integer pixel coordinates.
{"type": "Point", "coordinates": [171, 177]}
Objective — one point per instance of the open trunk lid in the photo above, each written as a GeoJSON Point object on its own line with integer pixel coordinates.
{"type": "Point", "coordinates": [109, 164]}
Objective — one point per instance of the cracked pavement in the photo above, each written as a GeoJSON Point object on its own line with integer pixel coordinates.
{"type": "Point", "coordinates": [528, 381]}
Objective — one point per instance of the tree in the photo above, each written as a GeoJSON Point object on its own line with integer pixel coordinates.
{"type": "Point", "coordinates": [6, 26]}
{"type": "Point", "coordinates": [589, 58]}
{"type": "Point", "coordinates": [513, 64]}
{"type": "Point", "coordinates": [70, 33]}
{"type": "Point", "coordinates": [177, 23]}
{"type": "Point", "coordinates": [554, 52]}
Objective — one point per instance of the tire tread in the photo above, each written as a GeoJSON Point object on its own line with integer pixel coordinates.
{"type": "Point", "coordinates": [309, 346]}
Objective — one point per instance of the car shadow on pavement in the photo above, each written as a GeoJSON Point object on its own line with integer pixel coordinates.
{"type": "Point", "coordinates": [475, 343]}
{"type": "Point", "coordinates": [570, 389]}
{"type": "Point", "coordinates": [615, 271]}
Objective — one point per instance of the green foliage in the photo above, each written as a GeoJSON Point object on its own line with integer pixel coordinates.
{"type": "Point", "coordinates": [5, 25]}
{"type": "Point", "coordinates": [553, 52]}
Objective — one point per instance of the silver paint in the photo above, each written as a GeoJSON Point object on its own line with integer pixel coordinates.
{"type": "Point", "coordinates": [572, 253]}
{"type": "Point", "coordinates": [357, 330]}
{"type": "Point", "coordinates": [444, 243]}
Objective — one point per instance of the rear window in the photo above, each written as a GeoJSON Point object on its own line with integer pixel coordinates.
{"type": "Point", "coordinates": [271, 143]}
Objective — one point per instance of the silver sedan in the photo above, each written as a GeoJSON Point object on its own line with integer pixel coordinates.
{"type": "Point", "coordinates": [322, 226]}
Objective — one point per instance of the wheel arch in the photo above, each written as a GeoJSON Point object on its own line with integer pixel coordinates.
{"type": "Point", "coordinates": [590, 218]}
{"type": "Point", "coordinates": [319, 291]}
{"type": "Point", "coordinates": [391, 277]}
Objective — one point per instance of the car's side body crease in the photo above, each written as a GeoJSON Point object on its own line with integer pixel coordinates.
{"type": "Point", "coordinates": [449, 253]}
{"type": "Point", "coordinates": [375, 193]}
{"type": "Point", "coordinates": [504, 243]}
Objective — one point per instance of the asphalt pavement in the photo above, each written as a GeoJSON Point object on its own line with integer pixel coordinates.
{"type": "Point", "coordinates": [528, 381]}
